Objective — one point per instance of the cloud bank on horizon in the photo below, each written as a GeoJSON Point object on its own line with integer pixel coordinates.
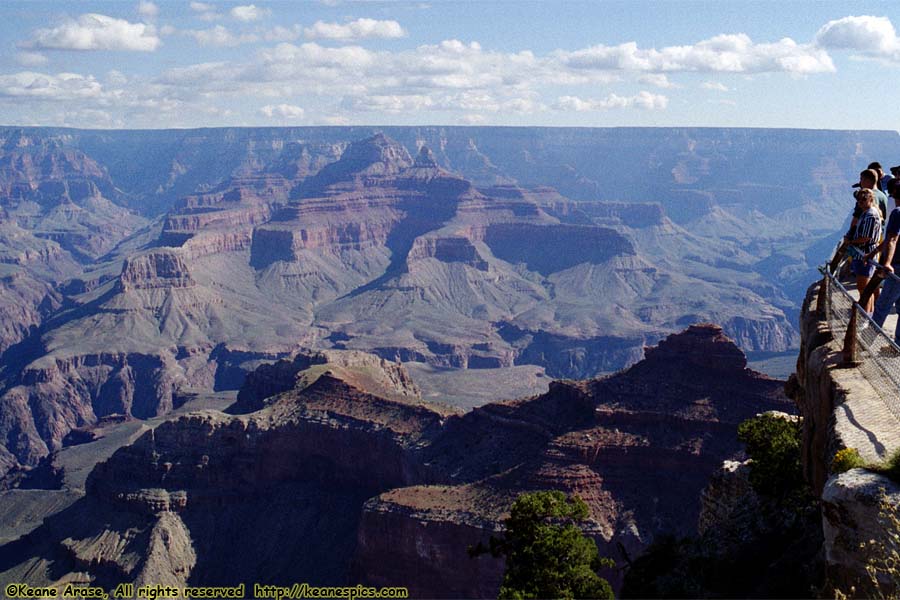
{"type": "Point", "coordinates": [192, 64]}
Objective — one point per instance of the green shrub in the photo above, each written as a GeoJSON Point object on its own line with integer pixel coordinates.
{"type": "Point", "coordinates": [891, 467]}
{"type": "Point", "coordinates": [773, 444]}
{"type": "Point", "coordinates": [846, 459]}
{"type": "Point", "coordinates": [547, 556]}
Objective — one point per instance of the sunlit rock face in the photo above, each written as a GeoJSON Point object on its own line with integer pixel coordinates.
{"type": "Point", "coordinates": [393, 486]}
{"type": "Point", "coordinates": [204, 252]}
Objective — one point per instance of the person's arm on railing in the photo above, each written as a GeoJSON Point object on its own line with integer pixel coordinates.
{"type": "Point", "coordinates": [889, 253]}
{"type": "Point", "coordinates": [881, 249]}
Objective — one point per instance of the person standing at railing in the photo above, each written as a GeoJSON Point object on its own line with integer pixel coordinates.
{"type": "Point", "coordinates": [865, 237]}
{"type": "Point", "coordinates": [890, 259]}
{"type": "Point", "coordinates": [867, 181]}
{"type": "Point", "coordinates": [883, 178]}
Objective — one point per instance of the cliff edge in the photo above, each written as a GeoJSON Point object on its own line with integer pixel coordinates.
{"type": "Point", "coordinates": [842, 409]}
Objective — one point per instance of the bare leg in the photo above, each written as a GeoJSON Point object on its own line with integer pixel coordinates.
{"type": "Point", "coordinates": [861, 283]}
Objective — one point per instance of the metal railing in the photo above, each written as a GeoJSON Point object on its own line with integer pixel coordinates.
{"type": "Point", "coordinates": [866, 345]}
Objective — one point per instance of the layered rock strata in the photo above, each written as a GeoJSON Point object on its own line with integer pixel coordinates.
{"type": "Point", "coordinates": [842, 409]}
{"type": "Point", "coordinates": [393, 490]}
{"type": "Point", "coordinates": [358, 246]}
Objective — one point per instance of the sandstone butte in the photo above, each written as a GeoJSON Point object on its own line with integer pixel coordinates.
{"type": "Point", "coordinates": [334, 453]}
{"type": "Point", "coordinates": [332, 469]}
{"type": "Point", "coordinates": [356, 246]}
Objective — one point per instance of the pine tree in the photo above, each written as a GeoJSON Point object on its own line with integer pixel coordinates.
{"type": "Point", "coordinates": [547, 556]}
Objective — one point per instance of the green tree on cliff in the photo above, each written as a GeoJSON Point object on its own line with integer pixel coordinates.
{"type": "Point", "coordinates": [547, 556]}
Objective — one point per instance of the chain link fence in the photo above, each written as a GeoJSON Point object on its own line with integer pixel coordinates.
{"type": "Point", "coordinates": [878, 355]}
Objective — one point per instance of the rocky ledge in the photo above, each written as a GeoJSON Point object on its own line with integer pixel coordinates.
{"type": "Point", "coordinates": [340, 451]}
{"type": "Point", "coordinates": [841, 409]}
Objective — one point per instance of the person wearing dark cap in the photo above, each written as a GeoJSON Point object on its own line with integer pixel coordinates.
{"type": "Point", "coordinates": [895, 171]}
{"type": "Point", "coordinates": [883, 178]}
{"type": "Point", "coordinates": [868, 180]}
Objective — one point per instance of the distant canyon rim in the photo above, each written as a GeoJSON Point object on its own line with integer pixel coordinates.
{"type": "Point", "coordinates": [140, 268]}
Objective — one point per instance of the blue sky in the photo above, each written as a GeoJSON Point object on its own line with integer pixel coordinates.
{"type": "Point", "coordinates": [183, 63]}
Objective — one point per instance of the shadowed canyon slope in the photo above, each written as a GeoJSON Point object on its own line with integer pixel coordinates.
{"type": "Point", "coordinates": [141, 267]}
{"type": "Point", "coordinates": [335, 463]}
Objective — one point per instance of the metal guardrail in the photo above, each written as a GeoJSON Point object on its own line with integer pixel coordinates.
{"type": "Point", "coordinates": [866, 345]}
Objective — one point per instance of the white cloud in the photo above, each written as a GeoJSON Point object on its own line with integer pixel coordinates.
{"type": "Point", "coordinates": [291, 60]}
{"type": "Point", "coordinates": [733, 53]}
{"type": "Point", "coordinates": [147, 9]}
{"type": "Point", "coordinates": [220, 37]}
{"type": "Point", "coordinates": [874, 36]}
{"type": "Point", "coordinates": [97, 32]}
{"type": "Point", "coordinates": [116, 78]}
{"type": "Point", "coordinates": [473, 119]}
{"type": "Point", "coordinates": [284, 111]}
{"type": "Point", "coordinates": [355, 30]}
{"type": "Point", "coordinates": [390, 104]}
{"type": "Point", "coordinates": [249, 13]}
{"type": "Point", "coordinates": [207, 12]}
{"type": "Point", "coordinates": [643, 100]}
{"type": "Point", "coordinates": [521, 106]}
{"type": "Point", "coordinates": [336, 120]}
{"type": "Point", "coordinates": [715, 86]}
{"type": "Point", "coordinates": [91, 118]}
{"type": "Point", "coordinates": [657, 79]}
{"type": "Point", "coordinates": [282, 34]}
{"type": "Point", "coordinates": [62, 86]}
{"type": "Point", "coordinates": [31, 59]}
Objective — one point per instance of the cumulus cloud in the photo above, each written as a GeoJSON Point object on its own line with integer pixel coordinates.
{"type": "Point", "coordinates": [336, 120]}
{"type": "Point", "coordinates": [31, 59]}
{"type": "Point", "coordinates": [521, 106]}
{"type": "Point", "coordinates": [116, 78]}
{"type": "Point", "coordinates": [62, 86]}
{"type": "Point", "coordinates": [715, 86]}
{"type": "Point", "coordinates": [473, 119]}
{"type": "Point", "coordinates": [292, 60]}
{"type": "Point", "coordinates": [205, 10]}
{"type": "Point", "coordinates": [390, 103]}
{"type": "Point", "coordinates": [874, 36]}
{"type": "Point", "coordinates": [97, 32]}
{"type": "Point", "coordinates": [90, 118]}
{"type": "Point", "coordinates": [658, 79]}
{"type": "Point", "coordinates": [249, 13]}
{"type": "Point", "coordinates": [355, 30]}
{"type": "Point", "coordinates": [283, 111]}
{"type": "Point", "coordinates": [733, 53]}
{"type": "Point", "coordinates": [282, 34]}
{"type": "Point", "coordinates": [220, 37]}
{"type": "Point", "coordinates": [643, 100]}
{"type": "Point", "coordinates": [147, 9]}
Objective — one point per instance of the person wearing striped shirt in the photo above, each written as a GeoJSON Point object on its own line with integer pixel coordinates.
{"type": "Point", "coordinates": [865, 237]}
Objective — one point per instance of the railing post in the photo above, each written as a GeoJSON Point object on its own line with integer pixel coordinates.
{"type": "Point", "coordinates": [850, 353]}
{"type": "Point", "coordinates": [822, 299]}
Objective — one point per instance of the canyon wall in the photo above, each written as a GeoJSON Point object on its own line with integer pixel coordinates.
{"type": "Point", "coordinates": [842, 410]}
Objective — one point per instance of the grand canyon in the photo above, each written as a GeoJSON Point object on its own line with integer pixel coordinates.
{"type": "Point", "coordinates": [362, 343]}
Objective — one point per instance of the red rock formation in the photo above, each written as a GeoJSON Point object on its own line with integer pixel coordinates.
{"type": "Point", "coordinates": [156, 269]}
{"type": "Point", "coordinates": [639, 447]}
{"type": "Point", "coordinates": [658, 432]}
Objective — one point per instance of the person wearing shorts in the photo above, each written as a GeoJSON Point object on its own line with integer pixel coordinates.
{"type": "Point", "coordinates": [865, 237]}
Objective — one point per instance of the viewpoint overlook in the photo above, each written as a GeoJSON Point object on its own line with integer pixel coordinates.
{"type": "Point", "coordinates": [369, 341]}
